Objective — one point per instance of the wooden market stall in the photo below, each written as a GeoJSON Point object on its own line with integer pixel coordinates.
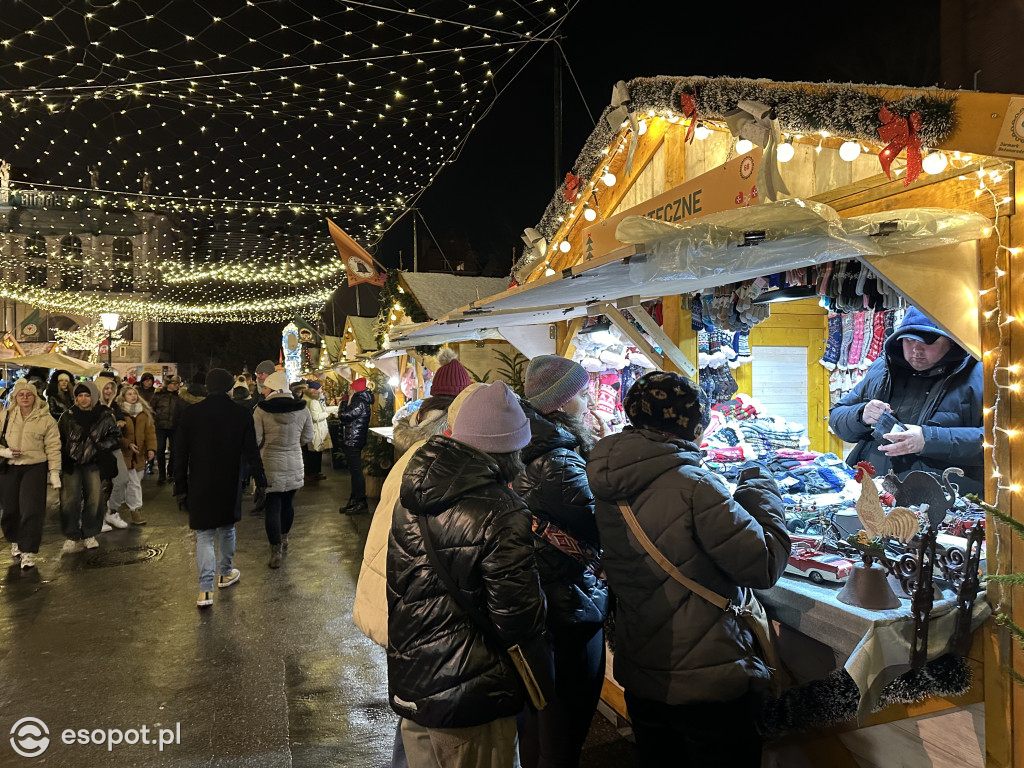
{"type": "Point", "coordinates": [859, 150]}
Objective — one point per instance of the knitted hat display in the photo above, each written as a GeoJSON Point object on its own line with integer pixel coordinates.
{"type": "Point", "coordinates": [552, 381]}
{"type": "Point", "coordinates": [667, 402]}
{"type": "Point", "coordinates": [277, 381]}
{"type": "Point", "coordinates": [219, 381]}
{"type": "Point", "coordinates": [491, 420]}
{"type": "Point", "coordinates": [451, 378]}
{"type": "Point", "coordinates": [267, 367]}
{"type": "Point", "coordinates": [359, 385]}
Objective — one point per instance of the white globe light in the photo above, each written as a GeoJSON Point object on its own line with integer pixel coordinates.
{"type": "Point", "coordinates": [589, 214]}
{"type": "Point", "coordinates": [549, 272]}
{"type": "Point", "coordinates": [849, 151]}
{"type": "Point", "coordinates": [609, 179]}
{"type": "Point", "coordinates": [643, 128]}
{"type": "Point", "coordinates": [701, 132]}
{"type": "Point", "coordinates": [785, 152]}
{"type": "Point", "coordinates": [564, 246]}
{"type": "Point", "coordinates": [936, 162]}
{"type": "Point", "coordinates": [743, 146]}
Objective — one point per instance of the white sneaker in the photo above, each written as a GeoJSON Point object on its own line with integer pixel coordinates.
{"type": "Point", "coordinates": [91, 543]}
{"type": "Point", "coordinates": [114, 519]}
{"type": "Point", "coordinates": [71, 546]}
{"type": "Point", "coordinates": [15, 552]}
{"type": "Point", "coordinates": [106, 527]}
{"type": "Point", "coordinates": [28, 560]}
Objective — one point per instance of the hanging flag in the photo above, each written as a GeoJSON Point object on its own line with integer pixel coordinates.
{"type": "Point", "coordinates": [359, 264]}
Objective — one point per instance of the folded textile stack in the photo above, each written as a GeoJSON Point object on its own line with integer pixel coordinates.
{"type": "Point", "coordinates": [769, 433]}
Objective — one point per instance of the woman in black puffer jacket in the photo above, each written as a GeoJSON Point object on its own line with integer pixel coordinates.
{"type": "Point", "coordinates": [454, 687]}
{"type": "Point", "coordinates": [555, 488]}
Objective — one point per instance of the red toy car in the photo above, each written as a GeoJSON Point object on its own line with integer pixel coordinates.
{"type": "Point", "coordinates": [807, 559]}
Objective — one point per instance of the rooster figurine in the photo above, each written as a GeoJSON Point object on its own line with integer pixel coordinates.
{"type": "Point", "coordinates": [900, 522]}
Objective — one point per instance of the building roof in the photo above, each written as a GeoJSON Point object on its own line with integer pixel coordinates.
{"type": "Point", "coordinates": [438, 294]}
{"type": "Point", "coordinates": [365, 331]}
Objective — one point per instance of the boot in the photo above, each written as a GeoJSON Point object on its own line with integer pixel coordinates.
{"type": "Point", "coordinates": [284, 542]}
{"type": "Point", "coordinates": [275, 556]}
{"type": "Point", "coordinates": [137, 516]}
{"type": "Point", "coordinates": [357, 508]}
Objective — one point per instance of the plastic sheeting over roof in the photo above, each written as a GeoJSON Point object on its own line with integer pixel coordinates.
{"type": "Point", "coordinates": [671, 259]}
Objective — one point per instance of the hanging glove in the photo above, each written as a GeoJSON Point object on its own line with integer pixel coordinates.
{"type": "Point", "coordinates": [54, 479]}
{"type": "Point", "coordinates": [6, 452]}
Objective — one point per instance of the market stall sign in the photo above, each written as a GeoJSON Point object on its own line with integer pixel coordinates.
{"type": "Point", "coordinates": [729, 186]}
{"type": "Point", "coordinates": [1010, 142]}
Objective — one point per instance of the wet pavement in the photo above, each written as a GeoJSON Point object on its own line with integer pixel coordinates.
{"type": "Point", "coordinates": [109, 644]}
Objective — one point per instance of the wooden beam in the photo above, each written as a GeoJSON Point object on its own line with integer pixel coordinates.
{"type": "Point", "coordinates": [668, 347]}
{"type": "Point", "coordinates": [637, 338]}
{"type": "Point", "coordinates": [566, 347]}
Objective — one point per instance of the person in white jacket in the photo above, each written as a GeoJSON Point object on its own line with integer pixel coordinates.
{"type": "Point", "coordinates": [31, 444]}
{"type": "Point", "coordinates": [312, 452]}
{"type": "Point", "coordinates": [370, 611]}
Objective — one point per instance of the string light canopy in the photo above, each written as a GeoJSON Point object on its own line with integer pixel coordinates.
{"type": "Point", "coordinates": [260, 116]}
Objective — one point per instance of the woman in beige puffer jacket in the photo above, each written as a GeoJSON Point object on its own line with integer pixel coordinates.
{"type": "Point", "coordinates": [31, 445]}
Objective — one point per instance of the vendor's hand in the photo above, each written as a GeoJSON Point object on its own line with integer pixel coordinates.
{"type": "Point", "coordinates": [54, 479]}
{"type": "Point", "coordinates": [903, 443]}
{"type": "Point", "coordinates": [873, 411]}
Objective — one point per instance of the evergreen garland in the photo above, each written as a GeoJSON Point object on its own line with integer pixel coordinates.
{"type": "Point", "coordinates": [841, 109]}
{"type": "Point", "coordinates": [391, 295]}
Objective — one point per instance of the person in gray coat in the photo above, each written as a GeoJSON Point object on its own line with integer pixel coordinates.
{"type": "Point", "coordinates": [283, 426]}
{"type": "Point", "coordinates": [688, 668]}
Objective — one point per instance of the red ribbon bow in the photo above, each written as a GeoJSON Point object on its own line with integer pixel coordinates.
{"type": "Point", "coordinates": [689, 104]}
{"type": "Point", "coordinates": [899, 133]}
{"type": "Point", "coordinates": [572, 187]}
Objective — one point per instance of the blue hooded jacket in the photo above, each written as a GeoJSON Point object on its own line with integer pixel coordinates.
{"type": "Point", "coordinates": [949, 411]}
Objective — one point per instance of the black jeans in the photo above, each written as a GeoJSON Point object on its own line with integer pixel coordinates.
{"type": "Point", "coordinates": [24, 504]}
{"type": "Point", "coordinates": [709, 734]}
{"type": "Point", "coordinates": [312, 461]}
{"type": "Point", "coordinates": [354, 458]}
{"type": "Point", "coordinates": [280, 514]}
{"type": "Point", "coordinates": [164, 441]}
{"type": "Point", "coordinates": [553, 737]}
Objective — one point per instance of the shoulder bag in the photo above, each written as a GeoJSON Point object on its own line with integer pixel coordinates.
{"type": "Point", "coordinates": [4, 461]}
{"type": "Point", "coordinates": [751, 613]}
{"type": "Point", "coordinates": [522, 666]}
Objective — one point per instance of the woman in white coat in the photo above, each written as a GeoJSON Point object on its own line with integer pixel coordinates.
{"type": "Point", "coordinates": [312, 454]}
{"type": "Point", "coordinates": [283, 426]}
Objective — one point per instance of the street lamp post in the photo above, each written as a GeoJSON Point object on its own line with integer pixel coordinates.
{"type": "Point", "coordinates": [110, 321]}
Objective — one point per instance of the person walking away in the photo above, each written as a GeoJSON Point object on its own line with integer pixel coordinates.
{"type": "Point", "coordinates": [931, 385]}
{"type": "Point", "coordinates": [113, 471]}
{"type": "Point", "coordinates": [370, 610]}
{"type": "Point", "coordinates": [283, 426]}
{"type": "Point", "coordinates": [196, 390]}
{"type": "Point", "coordinates": [689, 669]}
{"type": "Point", "coordinates": [167, 409]}
{"type": "Point", "coordinates": [31, 445]}
{"type": "Point", "coordinates": [264, 369]}
{"type": "Point", "coordinates": [59, 394]}
{"type": "Point", "coordinates": [355, 417]}
{"type": "Point", "coordinates": [555, 488]}
{"type": "Point", "coordinates": [88, 434]}
{"type": "Point", "coordinates": [214, 453]}
{"type": "Point", "coordinates": [456, 690]}
{"type": "Point", "coordinates": [430, 418]}
{"type": "Point", "coordinates": [312, 454]}
{"type": "Point", "coordinates": [138, 447]}
{"type": "Point", "coordinates": [241, 396]}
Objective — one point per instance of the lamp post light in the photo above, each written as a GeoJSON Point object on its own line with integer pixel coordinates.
{"type": "Point", "coordinates": [110, 321]}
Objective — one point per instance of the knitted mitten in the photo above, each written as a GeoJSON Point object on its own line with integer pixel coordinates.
{"type": "Point", "coordinates": [891, 321]}
{"type": "Point", "coordinates": [726, 385]}
{"type": "Point", "coordinates": [844, 347]}
{"type": "Point", "coordinates": [743, 344]}
{"type": "Point", "coordinates": [696, 313]}
{"type": "Point", "coordinates": [707, 302]}
{"type": "Point", "coordinates": [831, 356]}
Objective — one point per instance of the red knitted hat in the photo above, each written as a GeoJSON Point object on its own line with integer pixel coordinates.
{"type": "Point", "coordinates": [359, 385]}
{"type": "Point", "coordinates": [450, 379]}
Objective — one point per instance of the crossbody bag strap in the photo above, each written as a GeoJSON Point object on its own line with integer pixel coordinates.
{"type": "Point", "coordinates": [7, 419]}
{"type": "Point", "coordinates": [457, 595]}
{"type": "Point", "coordinates": [712, 597]}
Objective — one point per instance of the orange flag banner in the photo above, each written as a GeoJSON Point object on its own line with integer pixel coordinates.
{"type": "Point", "coordinates": [359, 264]}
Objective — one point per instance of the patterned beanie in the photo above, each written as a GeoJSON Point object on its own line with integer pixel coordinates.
{"type": "Point", "coordinates": [450, 379]}
{"type": "Point", "coordinates": [552, 381]}
{"type": "Point", "coordinates": [667, 402]}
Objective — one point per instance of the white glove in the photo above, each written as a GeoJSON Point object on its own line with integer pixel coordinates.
{"type": "Point", "coordinates": [6, 452]}
{"type": "Point", "coordinates": [54, 479]}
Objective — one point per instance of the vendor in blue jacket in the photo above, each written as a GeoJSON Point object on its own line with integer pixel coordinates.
{"type": "Point", "coordinates": [933, 387]}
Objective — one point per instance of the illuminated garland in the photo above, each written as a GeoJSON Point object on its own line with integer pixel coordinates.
{"type": "Point", "coordinates": [393, 298]}
{"type": "Point", "coordinates": [87, 338]}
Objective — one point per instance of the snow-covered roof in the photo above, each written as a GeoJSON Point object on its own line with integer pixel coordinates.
{"type": "Point", "coordinates": [439, 294]}
{"type": "Point", "coordinates": [364, 329]}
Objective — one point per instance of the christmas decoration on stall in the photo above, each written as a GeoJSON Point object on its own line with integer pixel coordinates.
{"type": "Point", "coordinates": [900, 133]}
{"type": "Point", "coordinates": [393, 299]}
{"type": "Point", "coordinates": [88, 338]}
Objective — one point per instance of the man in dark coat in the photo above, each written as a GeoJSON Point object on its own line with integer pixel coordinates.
{"type": "Point", "coordinates": [356, 418]}
{"type": "Point", "coordinates": [935, 388]}
{"type": "Point", "coordinates": [167, 409]}
{"type": "Point", "coordinates": [215, 450]}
